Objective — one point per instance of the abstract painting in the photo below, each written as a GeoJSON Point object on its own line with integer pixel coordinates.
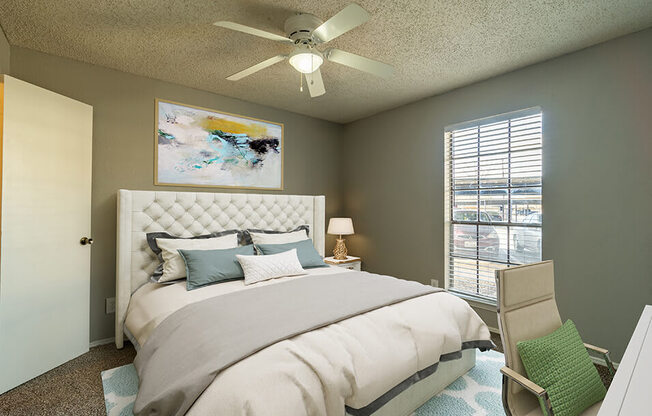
{"type": "Point", "coordinates": [201, 147]}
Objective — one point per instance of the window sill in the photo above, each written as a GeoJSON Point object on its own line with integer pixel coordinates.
{"type": "Point", "coordinates": [477, 302]}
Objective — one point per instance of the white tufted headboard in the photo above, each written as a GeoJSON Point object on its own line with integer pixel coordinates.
{"type": "Point", "coordinates": [195, 213]}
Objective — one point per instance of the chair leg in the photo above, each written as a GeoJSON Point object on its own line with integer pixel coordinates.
{"type": "Point", "coordinates": [546, 401]}
{"type": "Point", "coordinates": [610, 365]}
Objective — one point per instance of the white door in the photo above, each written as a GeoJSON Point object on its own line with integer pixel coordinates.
{"type": "Point", "coordinates": [46, 205]}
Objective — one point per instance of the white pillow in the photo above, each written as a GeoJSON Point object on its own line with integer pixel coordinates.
{"type": "Point", "coordinates": [259, 268]}
{"type": "Point", "coordinates": [282, 238]}
{"type": "Point", "coordinates": [173, 265]}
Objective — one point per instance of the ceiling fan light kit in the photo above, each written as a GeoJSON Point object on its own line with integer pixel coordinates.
{"type": "Point", "coordinates": [305, 59]}
{"type": "Point", "coordinates": [306, 31]}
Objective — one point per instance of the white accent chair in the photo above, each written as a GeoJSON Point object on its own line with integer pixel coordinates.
{"type": "Point", "coordinates": [526, 310]}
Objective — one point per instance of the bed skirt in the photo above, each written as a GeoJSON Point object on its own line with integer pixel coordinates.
{"type": "Point", "coordinates": [410, 399]}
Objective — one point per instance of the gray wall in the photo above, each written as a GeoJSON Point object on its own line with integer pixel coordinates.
{"type": "Point", "coordinates": [4, 53]}
{"type": "Point", "coordinates": [597, 171]}
{"type": "Point", "coordinates": [123, 148]}
{"type": "Point", "coordinates": [597, 192]}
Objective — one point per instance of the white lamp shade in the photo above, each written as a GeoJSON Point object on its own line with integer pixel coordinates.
{"type": "Point", "coordinates": [340, 226]}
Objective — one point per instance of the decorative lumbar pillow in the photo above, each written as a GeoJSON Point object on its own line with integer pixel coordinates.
{"type": "Point", "coordinates": [259, 268]}
{"type": "Point", "coordinates": [308, 256]}
{"type": "Point", "coordinates": [205, 267]}
{"type": "Point", "coordinates": [560, 364]}
{"type": "Point", "coordinates": [173, 266]}
{"type": "Point", "coordinates": [252, 236]}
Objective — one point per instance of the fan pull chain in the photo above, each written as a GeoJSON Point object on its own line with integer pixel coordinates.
{"type": "Point", "coordinates": [300, 82]}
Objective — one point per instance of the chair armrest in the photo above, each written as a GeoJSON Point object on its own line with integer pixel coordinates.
{"type": "Point", "coordinates": [605, 354]}
{"type": "Point", "coordinates": [530, 386]}
{"type": "Point", "coordinates": [596, 349]}
{"type": "Point", "coordinates": [524, 382]}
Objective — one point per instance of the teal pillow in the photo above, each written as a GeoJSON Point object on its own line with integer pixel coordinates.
{"type": "Point", "coordinates": [559, 363]}
{"type": "Point", "coordinates": [308, 256]}
{"type": "Point", "coordinates": [205, 267]}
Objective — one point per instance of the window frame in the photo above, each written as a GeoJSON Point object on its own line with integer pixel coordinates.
{"type": "Point", "coordinates": [449, 201]}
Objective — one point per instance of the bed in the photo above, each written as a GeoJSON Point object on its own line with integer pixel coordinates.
{"type": "Point", "coordinates": [387, 361]}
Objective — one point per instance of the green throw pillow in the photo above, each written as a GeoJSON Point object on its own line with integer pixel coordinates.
{"type": "Point", "coordinates": [559, 363]}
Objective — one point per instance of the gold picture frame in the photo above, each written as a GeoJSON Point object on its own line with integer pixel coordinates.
{"type": "Point", "coordinates": [185, 171]}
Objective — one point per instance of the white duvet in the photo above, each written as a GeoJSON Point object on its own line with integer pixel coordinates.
{"type": "Point", "coordinates": [350, 363]}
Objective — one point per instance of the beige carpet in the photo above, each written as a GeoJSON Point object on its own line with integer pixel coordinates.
{"type": "Point", "coordinates": [72, 389]}
{"type": "Point", "coordinates": [75, 388]}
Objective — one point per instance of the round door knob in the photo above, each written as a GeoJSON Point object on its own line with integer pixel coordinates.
{"type": "Point", "coordinates": [85, 240]}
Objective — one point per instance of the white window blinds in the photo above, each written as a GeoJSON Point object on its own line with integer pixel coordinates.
{"type": "Point", "coordinates": [493, 199]}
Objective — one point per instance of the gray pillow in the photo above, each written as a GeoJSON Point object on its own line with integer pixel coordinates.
{"type": "Point", "coordinates": [205, 267]}
{"type": "Point", "coordinates": [245, 237]}
{"type": "Point", "coordinates": [151, 242]}
{"type": "Point", "coordinates": [308, 256]}
{"type": "Point", "coordinates": [151, 237]}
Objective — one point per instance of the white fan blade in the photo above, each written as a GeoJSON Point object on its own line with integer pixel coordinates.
{"type": "Point", "coordinates": [256, 68]}
{"type": "Point", "coordinates": [253, 31]}
{"type": "Point", "coordinates": [348, 18]}
{"type": "Point", "coordinates": [315, 83]}
{"type": "Point", "coordinates": [359, 62]}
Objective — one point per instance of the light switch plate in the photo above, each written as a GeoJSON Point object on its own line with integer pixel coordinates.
{"type": "Point", "coordinates": [110, 305]}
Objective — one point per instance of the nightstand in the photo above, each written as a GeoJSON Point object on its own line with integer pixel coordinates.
{"type": "Point", "coordinates": [351, 263]}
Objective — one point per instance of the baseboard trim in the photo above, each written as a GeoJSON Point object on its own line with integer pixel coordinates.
{"type": "Point", "coordinates": [99, 342]}
{"type": "Point", "coordinates": [602, 362]}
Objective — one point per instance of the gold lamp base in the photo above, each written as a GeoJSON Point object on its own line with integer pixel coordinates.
{"type": "Point", "coordinates": [339, 252]}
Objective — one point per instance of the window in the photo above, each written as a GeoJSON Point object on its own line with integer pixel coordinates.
{"type": "Point", "coordinates": [493, 199]}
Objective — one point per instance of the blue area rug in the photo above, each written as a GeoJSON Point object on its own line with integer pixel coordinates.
{"type": "Point", "coordinates": [475, 393]}
{"type": "Point", "coordinates": [120, 388]}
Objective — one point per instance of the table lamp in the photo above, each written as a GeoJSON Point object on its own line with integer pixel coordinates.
{"type": "Point", "coordinates": [340, 226]}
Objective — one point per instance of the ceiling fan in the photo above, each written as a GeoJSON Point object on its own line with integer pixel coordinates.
{"type": "Point", "coordinates": [306, 32]}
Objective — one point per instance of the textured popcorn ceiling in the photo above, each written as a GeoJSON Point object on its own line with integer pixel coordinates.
{"type": "Point", "coordinates": [435, 46]}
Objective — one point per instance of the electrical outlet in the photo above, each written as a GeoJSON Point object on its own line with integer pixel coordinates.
{"type": "Point", "coordinates": [434, 282]}
{"type": "Point", "coordinates": [110, 305]}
